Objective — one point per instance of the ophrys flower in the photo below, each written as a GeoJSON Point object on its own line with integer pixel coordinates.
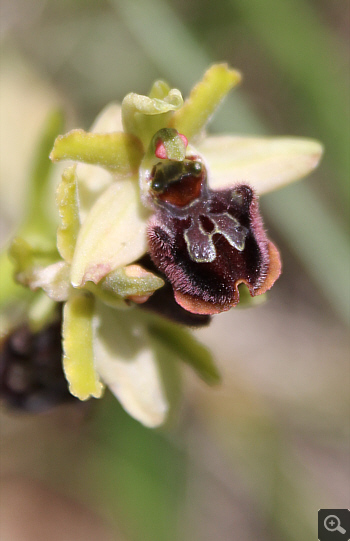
{"type": "Point", "coordinates": [148, 180]}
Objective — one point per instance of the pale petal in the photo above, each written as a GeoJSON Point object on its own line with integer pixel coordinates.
{"type": "Point", "coordinates": [126, 363]}
{"type": "Point", "coordinates": [54, 280]}
{"type": "Point", "coordinates": [108, 120]}
{"type": "Point", "coordinates": [264, 163]}
{"type": "Point", "coordinates": [93, 179]}
{"type": "Point", "coordinates": [113, 234]}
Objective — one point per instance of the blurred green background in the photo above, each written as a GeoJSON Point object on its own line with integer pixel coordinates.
{"type": "Point", "coordinates": [256, 458]}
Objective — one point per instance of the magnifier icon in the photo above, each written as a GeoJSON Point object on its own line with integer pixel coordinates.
{"type": "Point", "coordinates": [332, 524]}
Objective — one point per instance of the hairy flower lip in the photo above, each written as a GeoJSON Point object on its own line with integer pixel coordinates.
{"type": "Point", "coordinates": [201, 307]}
{"type": "Point", "coordinates": [210, 285]}
{"type": "Point", "coordinates": [162, 302]}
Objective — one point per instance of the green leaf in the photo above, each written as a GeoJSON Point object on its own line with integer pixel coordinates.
{"type": "Point", "coordinates": [186, 348]}
{"type": "Point", "coordinates": [68, 208]}
{"type": "Point", "coordinates": [204, 99]}
{"type": "Point", "coordinates": [78, 359]}
{"type": "Point", "coordinates": [120, 152]}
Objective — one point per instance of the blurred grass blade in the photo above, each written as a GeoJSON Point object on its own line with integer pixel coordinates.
{"type": "Point", "coordinates": [9, 289]}
{"type": "Point", "coordinates": [179, 57]}
{"type": "Point", "coordinates": [309, 58]}
{"type": "Point", "coordinates": [317, 239]}
{"type": "Point", "coordinates": [36, 217]}
{"type": "Point", "coordinates": [140, 475]}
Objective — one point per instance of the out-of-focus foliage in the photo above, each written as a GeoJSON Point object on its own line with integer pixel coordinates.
{"type": "Point", "coordinates": [259, 457]}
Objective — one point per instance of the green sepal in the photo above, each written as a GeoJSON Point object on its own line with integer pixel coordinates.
{"type": "Point", "coordinates": [186, 347]}
{"type": "Point", "coordinates": [204, 99]}
{"type": "Point", "coordinates": [120, 152]}
{"type": "Point", "coordinates": [78, 359]}
{"type": "Point", "coordinates": [68, 208]}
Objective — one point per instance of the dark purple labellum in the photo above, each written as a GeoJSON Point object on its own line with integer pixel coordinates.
{"type": "Point", "coordinates": [162, 302]}
{"type": "Point", "coordinates": [207, 242]}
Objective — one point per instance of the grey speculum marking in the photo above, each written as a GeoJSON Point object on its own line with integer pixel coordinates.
{"type": "Point", "coordinates": [200, 244]}
{"type": "Point", "coordinates": [181, 189]}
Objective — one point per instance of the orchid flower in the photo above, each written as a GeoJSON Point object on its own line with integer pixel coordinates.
{"type": "Point", "coordinates": [150, 203]}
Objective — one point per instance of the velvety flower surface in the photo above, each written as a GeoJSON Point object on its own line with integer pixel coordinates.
{"type": "Point", "coordinates": [207, 242]}
{"type": "Point", "coordinates": [146, 181]}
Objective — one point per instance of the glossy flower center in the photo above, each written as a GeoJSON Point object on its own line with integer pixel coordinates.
{"type": "Point", "coordinates": [177, 183]}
